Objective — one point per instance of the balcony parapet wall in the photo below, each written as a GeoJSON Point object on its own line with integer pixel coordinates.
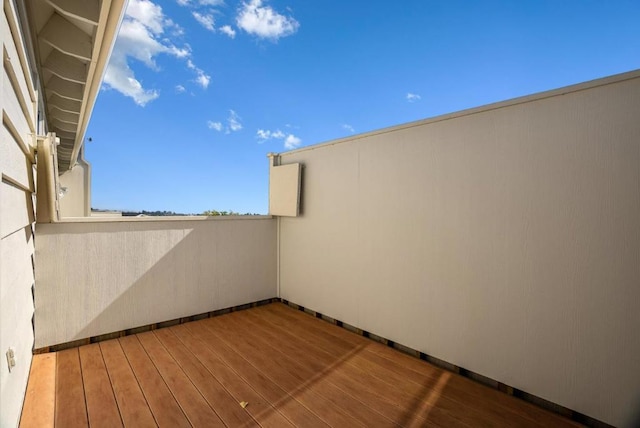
{"type": "Point", "coordinates": [98, 276]}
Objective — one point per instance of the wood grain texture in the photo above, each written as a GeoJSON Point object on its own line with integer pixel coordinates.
{"type": "Point", "coordinates": [194, 406]}
{"type": "Point", "coordinates": [71, 408]}
{"type": "Point", "coordinates": [101, 403]}
{"type": "Point", "coordinates": [162, 404]}
{"type": "Point", "coordinates": [242, 391]}
{"type": "Point", "coordinates": [218, 398]}
{"type": "Point", "coordinates": [40, 399]}
{"type": "Point", "coordinates": [289, 368]}
{"type": "Point", "coordinates": [133, 407]}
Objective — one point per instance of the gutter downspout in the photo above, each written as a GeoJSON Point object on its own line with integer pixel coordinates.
{"type": "Point", "coordinates": [47, 205]}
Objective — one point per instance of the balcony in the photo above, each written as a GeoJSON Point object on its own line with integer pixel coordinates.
{"type": "Point", "coordinates": [266, 366]}
{"type": "Point", "coordinates": [481, 242]}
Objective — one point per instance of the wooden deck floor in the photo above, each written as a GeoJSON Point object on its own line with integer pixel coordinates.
{"type": "Point", "coordinates": [269, 366]}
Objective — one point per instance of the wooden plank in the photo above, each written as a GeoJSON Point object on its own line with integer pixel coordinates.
{"type": "Point", "coordinates": [287, 405]}
{"type": "Point", "coordinates": [71, 409]}
{"type": "Point", "coordinates": [228, 409]}
{"type": "Point", "coordinates": [164, 407]}
{"type": "Point", "coordinates": [132, 405]}
{"type": "Point", "coordinates": [281, 392]}
{"type": "Point", "coordinates": [316, 375]}
{"type": "Point", "coordinates": [40, 399]}
{"type": "Point", "coordinates": [259, 408]}
{"type": "Point", "coordinates": [411, 394]}
{"type": "Point", "coordinates": [193, 404]}
{"type": "Point", "coordinates": [459, 390]}
{"type": "Point", "coordinates": [398, 401]}
{"type": "Point", "coordinates": [101, 403]}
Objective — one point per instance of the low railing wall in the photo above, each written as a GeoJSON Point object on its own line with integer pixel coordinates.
{"type": "Point", "coordinates": [98, 276]}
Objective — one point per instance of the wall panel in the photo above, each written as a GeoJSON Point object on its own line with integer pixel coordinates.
{"type": "Point", "coordinates": [505, 240]}
{"type": "Point", "coordinates": [101, 277]}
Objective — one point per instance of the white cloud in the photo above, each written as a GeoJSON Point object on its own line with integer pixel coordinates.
{"type": "Point", "coordinates": [233, 124]}
{"type": "Point", "coordinates": [121, 78]}
{"type": "Point", "coordinates": [292, 142]}
{"type": "Point", "coordinates": [141, 37]}
{"type": "Point", "coordinates": [147, 13]}
{"type": "Point", "coordinates": [265, 134]}
{"type": "Point", "coordinates": [180, 89]}
{"type": "Point", "coordinates": [215, 125]}
{"type": "Point", "coordinates": [413, 97]}
{"type": "Point", "coordinates": [206, 20]}
{"type": "Point", "coordinates": [202, 78]}
{"type": "Point", "coordinates": [197, 3]}
{"type": "Point", "coordinates": [226, 29]}
{"type": "Point", "coordinates": [264, 22]}
{"type": "Point", "coordinates": [348, 128]}
{"type": "Point", "coordinates": [234, 121]}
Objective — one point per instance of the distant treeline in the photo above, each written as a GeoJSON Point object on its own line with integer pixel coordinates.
{"type": "Point", "coordinates": [212, 213]}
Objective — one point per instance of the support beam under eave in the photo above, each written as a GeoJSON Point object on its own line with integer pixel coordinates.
{"type": "Point", "coordinates": [84, 10]}
{"type": "Point", "coordinates": [63, 116]}
{"type": "Point", "coordinates": [65, 89]}
{"type": "Point", "coordinates": [66, 37]}
{"type": "Point", "coordinates": [62, 126]}
{"type": "Point", "coordinates": [64, 104]}
{"type": "Point", "coordinates": [66, 67]}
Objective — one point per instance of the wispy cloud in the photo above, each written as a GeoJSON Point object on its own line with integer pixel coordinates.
{"type": "Point", "coordinates": [265, 134]}
{"type": "Point", "coordinates": [141, 37]}
{"type": "Point", "coordinates": [348, 128]}
{"type": "Point", "coordinates": [413, 97]}
{"type": "Point", "coordinates": [264, 22]}
{"type": "Point", "coordinates": [200, 2]}
{"type": "Point", "coordinates": [233, 121]}
{"type": "Point", "coordinates": [226, 29]}
{"type": "Point", "coordinates": [214, 125]}
{"type": "Point", "coordinates": [180, 89]}
{"type": "Point", "coordinates": [202, 78]}
{"type": "Point", "coordinates": [205, 19]}
{"type": "Point", "coordinates": [234, 124]}
{"type": "Point", "coordinates": [292, 142]}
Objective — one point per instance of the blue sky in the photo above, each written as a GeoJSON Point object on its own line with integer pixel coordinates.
{"type": "Point", "coordinates": [199, 91]}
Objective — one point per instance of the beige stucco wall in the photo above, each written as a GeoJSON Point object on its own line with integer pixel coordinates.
{"type": "Point", "coordinates": [97, 277]}
{"type": "Point", "coordinates": [18, 105]}
{"type": "Point", "coordinates": [76, 201]}
{"type": "Point", "coordinates": [505, 240]}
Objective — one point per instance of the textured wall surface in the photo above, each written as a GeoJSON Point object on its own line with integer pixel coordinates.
{"type": "Point", "coordinates": [75, 183]}
{"type": "Point", "coordinates": [505, 240]}
{"type": "Point", "coordinates": [18, 105]}
{"type": "Point", "coordinates": [100, 277]}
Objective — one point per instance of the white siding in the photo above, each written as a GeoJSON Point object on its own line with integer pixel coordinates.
{"type": "Point", "coordinates": [16, 219]}
{"type": "Point", "coordinates": [505, 240]}
{"type": "Point", "coordinates": [100, 277]}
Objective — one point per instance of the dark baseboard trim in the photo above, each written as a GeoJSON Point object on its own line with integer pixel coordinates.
{"type": "Point", "coordinates": [491, 383]}
{"type": "Point", "coordinates": [149, 327]}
